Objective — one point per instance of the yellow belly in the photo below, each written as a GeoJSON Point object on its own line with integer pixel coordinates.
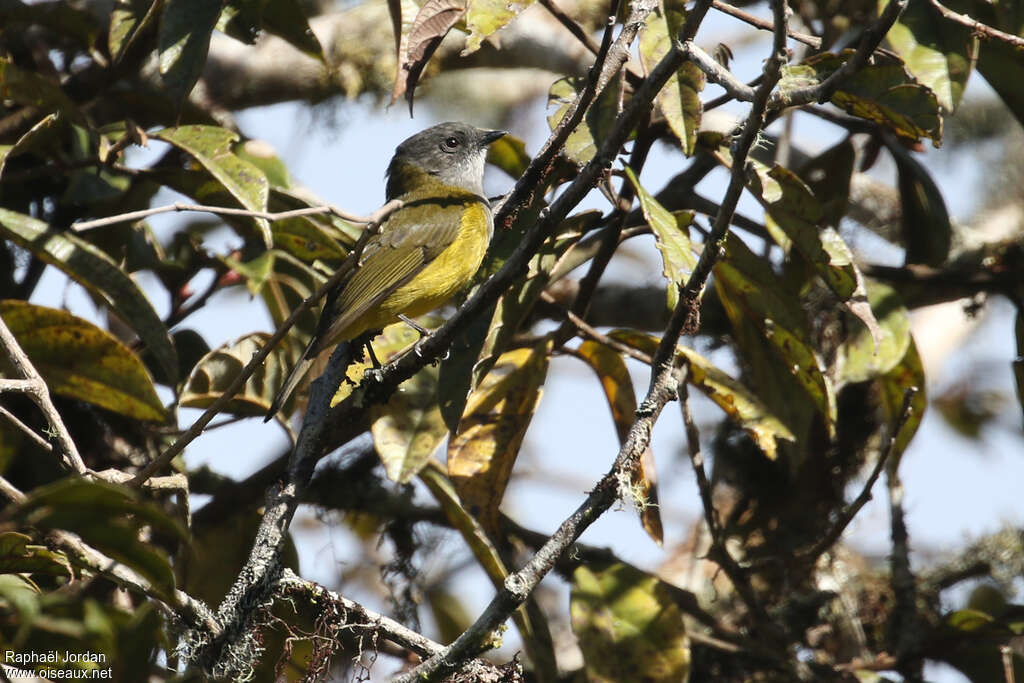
{"type": "Point", "coordinates": [438, 281]}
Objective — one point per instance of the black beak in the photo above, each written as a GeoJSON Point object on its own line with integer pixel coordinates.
{"type": "Point", "coordinates": [490, 136]}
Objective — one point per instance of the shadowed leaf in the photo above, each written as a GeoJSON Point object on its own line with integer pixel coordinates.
{"type": "Point", "coordinates": [597, 123]}
{"type": "Point", "coordinates": [18, 555]}
{"type": "Point", "coordinates": [128, 18]}
{"type": "Point", "coordinates": [862, 359]}
{"type": "Point", "coordinates": [184, 40]}
{"type": "Point", "coordinates": [926, 230]}
{"type": "Point", "coordinates": [94, 270]}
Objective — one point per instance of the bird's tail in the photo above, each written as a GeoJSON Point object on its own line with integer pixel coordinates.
{"type": "Point", "coordinates": [299, 371]}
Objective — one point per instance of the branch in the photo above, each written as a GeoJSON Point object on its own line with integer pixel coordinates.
{"type": "Point", "coordinates": [726, 8]}
{"type": "Point", "coordinates": [220, 211]}
{"type": "Point", "coordinates": [357, 617]}
{"type": "Point", "coordinates": [35, 386]}
{"type": "Point", "coordinates": [850, 511]}
{"type": "Point", "coordinates": [343, 270]}
{"type": "Point", "coordinates": [980, 29]}
{"type": "Point", "coordinates": [869, 41]}
{"type": "Point", "coordinates": [716, 73]}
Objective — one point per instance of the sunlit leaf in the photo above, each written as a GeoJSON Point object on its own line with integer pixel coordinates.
{"type": "Point", "coordinates": [628, 626]}
{"type": "Point", "coordinates": [184, 40]}
{"type": "Point", "coordinates": [409, 427]}
{"type": "Point", "coordinates": [581, 146]}
{"type": "Point", "coordinates": [484, 17]}
{"type": "Point", "coordinates": [211, 147]}
{"type": "Point", "coordinates": [679, 100]}
{"type": "Point", "coordinates": [509, 154]}
{"type": "Point", "coordinates": [81, 361]}
{"type": "Point", "coordinates": [894, 384]}
{"type": "Point", "coordinates": [862, 358]}
{"type": "Point", "coordinates": [43, 136]}
{"type": "Point", "coordinates": [882, 92]}
{"type": "Point", "coordinates": [671, 237]}
{"type": "Point", "coordinates": [482, 452]}
{"type": "Point", "coordinates": [218, 369]}
{"type": "Point", "coordinates": [618, 390]}
{"type": "Point", "coordinates": [940, 53]}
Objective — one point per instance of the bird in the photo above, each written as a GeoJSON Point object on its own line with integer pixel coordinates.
{"type": "Point", "coordinates": [425, 251]}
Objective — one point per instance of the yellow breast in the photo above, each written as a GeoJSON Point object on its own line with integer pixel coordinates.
{"type": "Point", "coordinates": [440, 279]}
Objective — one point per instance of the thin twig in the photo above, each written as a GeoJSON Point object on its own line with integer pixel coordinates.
{"type": "Point", "coordinates": [519, 585]}
{"type": "Point", "coordinates": [869, 42]}
{"type": "Point", "coordinates": [850, 511]}
{"type": "Point", "coordinates": [573, 28]}
{"type": "Point", "coordinates": [716, 73]}
{"type": "Point", "coordinates": [31, 433]}
{"type": "Point", "coordinates": [35, 386]}
{"type": "Point", "coordinates": [760, 23]}
{"type": "Point", "coordinates": [220, 211]}
{"type": "Point", "coordinates": [586, 330]}
{"type": "Point", "coordinates": [343, 270]}
{"type": "Point", "coordinates": [981, 30]}
{"type": "Point", "coordinates": [355, 615]}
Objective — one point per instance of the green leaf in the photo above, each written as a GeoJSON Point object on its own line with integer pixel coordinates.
{"type": "Point", "coordinates": [628, 626]}
{"type": "Point", "coordinates": [287, 19]}
{"type": "Point", "coordinates": [883, 92]}
{"type": "Point", "coordinates": [218, 369]}
{"type": "Point", "coordinates": [484, 17]}
{"type": "Point", "coordinates": [81, 361]}
{"type": "Point", "coordinates": [597, 123]}
{"type": "Point", "coordinates": [860, 357]}
{"type": "Point", "coordinates": [95, 271]}
{"type": "Point", "coordinates": [894, 384]}
{"type": "Point", "coordinates": [128, 18]}
{"type": "Point", "coordinates": [509, 154]}
{"type": "Point", "coordinates": [750, 291]}
{"type": "Point", "coordinates": [18, 555]}
{"type": "Point", "coordinates": [481, 453]}
{"type": "Point", "coordinates": [679, 100]}
{"type": "Point", "coordinates": [108, 517]}
{"type": "Point", "coordinates": [44, 136]}
{"type": "Point", "coordinates": [738, 402]}
{"type": "Point", "coordinates": [618, 391]}
{"type": "Point", "coordinates": [926, 230]}
{"type": "Point", "coordinates": [798, 218]}
{"type": "Point", "coordinates": [670, 232]}
{"type": "Point", "coordinates": [938, 52]}
{"type": "Point", "coordinates": [459, 369]}
{"type": "Point", "coordinates": [211, 147]}
{"type": "Point", "coordinates": [828, 176]}
{"type": "Point", "coordinates": [30, 89]}
{"type": "Point", "coordinates": [1001, 66]}
{"type": "Point", "coordinates": [184, 40]}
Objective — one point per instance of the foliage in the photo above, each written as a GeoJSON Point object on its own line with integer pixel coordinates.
{"type": "Point", "coordinates": [822, 389]}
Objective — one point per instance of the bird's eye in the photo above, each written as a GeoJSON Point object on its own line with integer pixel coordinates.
{"type": "Point", "coordinates": [450, 144]}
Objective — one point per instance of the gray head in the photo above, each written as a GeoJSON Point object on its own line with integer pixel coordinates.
{"type": "Point", "coordinates": [452, 152]}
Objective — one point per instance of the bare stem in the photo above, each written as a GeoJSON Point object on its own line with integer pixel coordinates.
{"type": "Point", "coordinates": [220, 211]}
